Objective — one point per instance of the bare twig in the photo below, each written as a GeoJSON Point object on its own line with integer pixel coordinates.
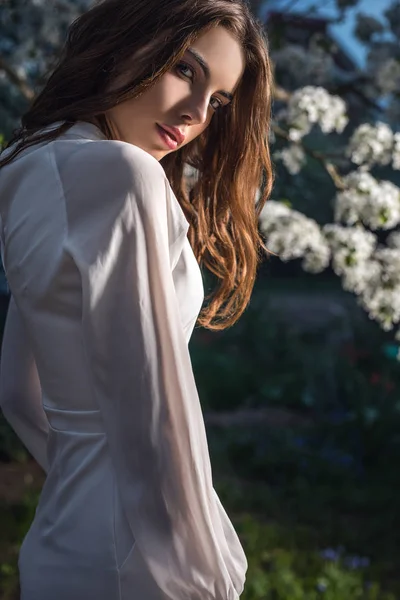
{"type": "Point", "coordinates": [20, 83]}
{"type": "Point", "coordinates": [280, 94]}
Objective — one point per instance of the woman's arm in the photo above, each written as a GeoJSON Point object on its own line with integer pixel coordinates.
{"type": "Point", "coordinates": [143, 380]}
{"type": "Point", "coordinates": [20, 392]}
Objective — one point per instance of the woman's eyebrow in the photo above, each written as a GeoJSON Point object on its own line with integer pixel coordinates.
{"type": "Point", "coordinates": [206, 70]}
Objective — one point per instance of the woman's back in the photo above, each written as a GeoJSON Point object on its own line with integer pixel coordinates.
{"type": "Point", "coordinates": [108, 290]}
{"type": "Point", "coordinates": [55, 199]}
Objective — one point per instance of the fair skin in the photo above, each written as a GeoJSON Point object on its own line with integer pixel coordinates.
{"type": "Point", "coordinates": [185, 97]}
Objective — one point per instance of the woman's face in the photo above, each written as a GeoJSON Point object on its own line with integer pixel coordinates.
{"type": "Point", "coordinates": [184, 99]}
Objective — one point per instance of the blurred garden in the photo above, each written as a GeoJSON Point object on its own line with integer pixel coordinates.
{"type": "Point", "coordinates": [301, 397]}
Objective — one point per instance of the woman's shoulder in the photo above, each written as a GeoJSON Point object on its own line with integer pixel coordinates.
{"type": "Point", "coordinates": [116, 160]}
{"type": "Point", "coordinates": [109, 186]}
{"type": "Point", "coordinates": [95, 174]}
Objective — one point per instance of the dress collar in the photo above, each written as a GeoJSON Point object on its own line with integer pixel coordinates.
{"type": "Point", "coordinates": [80, 129]}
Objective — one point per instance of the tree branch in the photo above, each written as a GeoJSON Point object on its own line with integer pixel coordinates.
{"type": "Point", "coordinates": [280, 94]}
{"type": "Point", "coordinates": [20, 83]}
{"type": "Point", "coordinates": [328, 166]}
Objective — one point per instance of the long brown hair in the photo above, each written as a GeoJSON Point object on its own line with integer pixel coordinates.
{"type": "Point", "coordinates": [231, 155]}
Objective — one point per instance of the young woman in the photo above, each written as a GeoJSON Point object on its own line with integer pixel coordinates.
{"type": "Point", "coordinates": [102, 242]}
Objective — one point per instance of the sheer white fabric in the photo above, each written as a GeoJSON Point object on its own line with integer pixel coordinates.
{"type": "Point", "coordinates": [96, 379]}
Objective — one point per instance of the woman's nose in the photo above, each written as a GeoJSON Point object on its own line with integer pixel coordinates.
{"type": "Point", "coordinates": [196, 111]}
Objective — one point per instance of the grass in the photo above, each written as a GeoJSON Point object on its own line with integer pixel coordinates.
{"type": "Point", "coordinates": [291, 515]}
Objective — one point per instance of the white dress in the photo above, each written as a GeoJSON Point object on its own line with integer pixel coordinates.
{"type": "Point", "coordinates": [96, 378]}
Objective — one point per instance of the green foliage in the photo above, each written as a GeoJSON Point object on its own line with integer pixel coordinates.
{"type": "Point", "coordinates": [15, 521]}
{"type": "Point", "coordinates": [10, 445]}
{"type": "Point", "coordinates": [280, 571]}
{"type": "Point", "coordinates": [329, 479]}
{"type": "Point", "coordinates": [340, 368]}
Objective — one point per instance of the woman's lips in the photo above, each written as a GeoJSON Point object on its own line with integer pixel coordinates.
{"type": "Point", "coordinates": [167, 138]}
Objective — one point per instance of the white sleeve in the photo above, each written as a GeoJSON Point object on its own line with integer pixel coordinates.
{"type": "Point", "coordinates": [145, 389]}
{"type": "Point", "coordinates": [20, 391]}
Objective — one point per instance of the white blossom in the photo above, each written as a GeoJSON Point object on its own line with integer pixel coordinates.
{"type": "Point", "coordinates": [371, 144]}
{"type": "Point", "coordinates": [384, 67]}
{"type": "Point", "coordinates": [293, 157]}
{"type": "Point", "coordinates": [379, 291]}
{"type": "Point", "coordinates": [290, 235]}
{"type": "Point", "coordinates": [305, 65]}
{"type": "Point", "coordinates": [314, 105]}
{"type": "Point", "coordinates": [389, 259]}
{"type": "Point", "coordinates": [388, 75]}
{"type": "Point", "coordinates": [362, 277]}
{"type": "Point", "coordinates": [382, 305]}
{"type": "Point", "coordinates": [374, 203]}
{"type": "Point", "coordinates": [350, 246]}
{"type": "Point", "coordinates": [370, 272]}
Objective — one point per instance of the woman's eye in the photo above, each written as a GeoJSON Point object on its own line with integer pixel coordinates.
{"type": "Point", "coordinates": [218, 103]}
{"type": "Point", "coordinates": [182, 67]}
{"type": "Point", "coordinates": [188, 72]}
